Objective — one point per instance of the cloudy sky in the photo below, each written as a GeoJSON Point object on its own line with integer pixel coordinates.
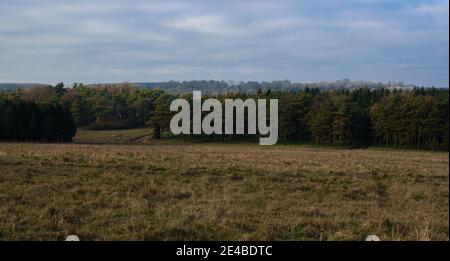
{"type": "Point", "coordinates": [114, 41]}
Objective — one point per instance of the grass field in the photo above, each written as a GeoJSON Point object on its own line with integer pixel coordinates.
{"type": "Point", "coordinates": [220, 192]}
{"type": "Point", "coordinates": [142, 135]}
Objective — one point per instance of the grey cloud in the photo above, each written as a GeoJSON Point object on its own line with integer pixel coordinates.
{"type": "Point", "coordinates": [95, 41]}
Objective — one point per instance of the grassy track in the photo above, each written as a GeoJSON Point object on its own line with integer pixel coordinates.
{"type": "Point", "coordinates": [113, 136]}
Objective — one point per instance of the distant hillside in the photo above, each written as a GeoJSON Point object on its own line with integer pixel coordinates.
{"type": "Point", "coordinates": [220, 87]}
{"type": "Point", "coordinates": [13, 86]}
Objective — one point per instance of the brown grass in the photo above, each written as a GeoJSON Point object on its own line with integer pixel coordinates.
{"type": "Point", "coordinates": [220, 192]}
{"type": "Point", "coordinates": [113, 136]}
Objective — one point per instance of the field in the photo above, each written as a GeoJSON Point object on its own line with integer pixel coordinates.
{"type": "Point", "coordinates": [142, 135]}
{"type": "Point", "coordinates": [163, 191]}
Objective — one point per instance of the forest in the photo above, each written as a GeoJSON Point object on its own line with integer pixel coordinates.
{"type": "Point", "coordinates": [411, 118]}
{"type": "Point", "coordinates": [29, 121]}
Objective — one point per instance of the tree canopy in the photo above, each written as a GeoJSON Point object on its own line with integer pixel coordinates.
{"type": "Point", "coordinates": [414, 118]}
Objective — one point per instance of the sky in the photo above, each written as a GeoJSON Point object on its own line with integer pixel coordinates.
{"type": "Point", "coordinates": [99, 41]}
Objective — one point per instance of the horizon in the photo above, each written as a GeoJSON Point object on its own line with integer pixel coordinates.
{"type": "Point", "coordinates": [237, 82]}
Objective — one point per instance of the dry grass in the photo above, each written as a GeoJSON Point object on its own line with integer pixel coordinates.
{"type": "Point", "coordinates": [220, 192]}
{"type": "Point", "coordinates": [114, 136]}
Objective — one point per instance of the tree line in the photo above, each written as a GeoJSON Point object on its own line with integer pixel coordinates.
{"type": "Point", "coordinates": [416, 118]}
{"type": "Point", "coordinates": [212, 87]}
{"type": "Point", "coordinates": [29, 121]}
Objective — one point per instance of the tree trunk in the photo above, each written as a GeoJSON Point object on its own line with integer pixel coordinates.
{"type": "Point", "coordinates": [157, 132]}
